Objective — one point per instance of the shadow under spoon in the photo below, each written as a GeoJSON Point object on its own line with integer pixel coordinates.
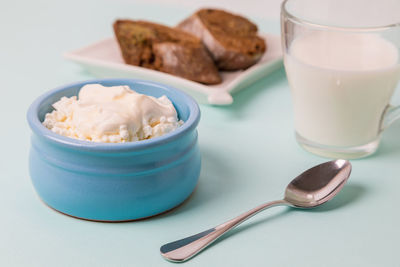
{"type": "Point", "coordinates": [310, 189]}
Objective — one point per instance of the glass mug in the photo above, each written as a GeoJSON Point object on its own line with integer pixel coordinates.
{"type": "Point", "coordinates": [342, 62]}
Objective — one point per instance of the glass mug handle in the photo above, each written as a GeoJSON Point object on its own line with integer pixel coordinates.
{"type": "Point", "coordinates": [391, 114]}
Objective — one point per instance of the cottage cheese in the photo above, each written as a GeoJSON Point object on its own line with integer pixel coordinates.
{"type": "Point", "coordinates": [112, 115]}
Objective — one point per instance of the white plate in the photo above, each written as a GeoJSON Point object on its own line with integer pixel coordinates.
{"type": "Point", "coordinates": [103, 59]}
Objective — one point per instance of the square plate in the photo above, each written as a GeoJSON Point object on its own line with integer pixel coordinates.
{"type": "Point", "coordinates": [103, 59]}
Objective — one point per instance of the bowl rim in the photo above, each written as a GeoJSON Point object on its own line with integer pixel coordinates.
{"type": "Point", "coordinates": [39, 129]}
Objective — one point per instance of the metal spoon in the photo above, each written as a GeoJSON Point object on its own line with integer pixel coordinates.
{"type": "Point", "coordinates": [310, 189]}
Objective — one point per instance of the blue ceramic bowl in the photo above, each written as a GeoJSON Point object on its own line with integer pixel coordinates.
{"type": "Point", "coordinates": [115, 182]}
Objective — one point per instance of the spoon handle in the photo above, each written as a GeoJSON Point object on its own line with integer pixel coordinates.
{"type": "Point", "coordinates": [186, 248]}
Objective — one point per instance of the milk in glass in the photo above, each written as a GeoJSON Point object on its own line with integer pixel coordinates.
{"type": "Point", "coordinates": [341, 84]}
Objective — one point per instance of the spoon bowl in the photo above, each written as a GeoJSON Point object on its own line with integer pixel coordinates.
{"type": "Point", "coordinates": [318, 184]}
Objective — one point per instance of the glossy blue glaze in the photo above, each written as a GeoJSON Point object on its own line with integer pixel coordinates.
{"type": "Point", "coordinates": [115, 182]}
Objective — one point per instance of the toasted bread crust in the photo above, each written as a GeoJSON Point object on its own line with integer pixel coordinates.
{"type": "Point", "coordinates": [165, 49]}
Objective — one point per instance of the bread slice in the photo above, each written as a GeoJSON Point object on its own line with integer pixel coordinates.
{"type": "Point", "coordinates": [165, 49]}
{"type": "Point", "coordinates": [231, 39]}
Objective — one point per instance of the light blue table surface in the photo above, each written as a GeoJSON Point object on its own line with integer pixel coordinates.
{"type": "Point", "coordinates": [249, 155]}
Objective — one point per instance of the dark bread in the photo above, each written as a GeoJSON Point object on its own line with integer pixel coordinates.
{"type": "Point", "coordinates": [165, 49]}
{"type": "Point", "coordinates": [231, 39]}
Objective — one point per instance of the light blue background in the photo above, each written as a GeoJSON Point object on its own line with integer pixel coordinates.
{"type": "Point", "coordinates": [249, 155]}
